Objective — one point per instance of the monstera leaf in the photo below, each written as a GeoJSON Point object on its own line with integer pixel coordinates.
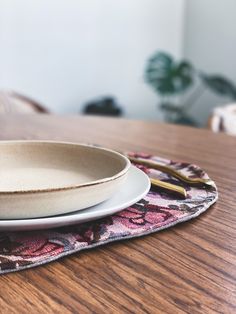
{"type": "Point", "coordinates": [167, 76]}
{"type": "Point", "coordinates": [219, 85]}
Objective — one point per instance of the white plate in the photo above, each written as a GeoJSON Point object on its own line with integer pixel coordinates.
{"type": "Point", "coordinates": [135, 187]}
{"type": "Point", "coordinates": [44, 178]}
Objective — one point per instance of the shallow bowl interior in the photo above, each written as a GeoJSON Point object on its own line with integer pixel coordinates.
{"type": "Point", "coordinates": [34, 166]}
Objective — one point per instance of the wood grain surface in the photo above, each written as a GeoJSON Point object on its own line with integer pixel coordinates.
{"type": "Point", "coordinates": [190, 268]}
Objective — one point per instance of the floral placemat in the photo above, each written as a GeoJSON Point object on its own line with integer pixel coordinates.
{"type": "Point", "coordinates": [158, 210]}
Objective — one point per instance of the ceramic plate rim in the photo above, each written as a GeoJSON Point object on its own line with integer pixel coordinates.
{"type": "Point", "coordinates": [76, 217]}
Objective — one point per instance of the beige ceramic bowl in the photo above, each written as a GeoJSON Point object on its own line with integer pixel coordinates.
{"type": "Point", "coordinates": [42, 178]}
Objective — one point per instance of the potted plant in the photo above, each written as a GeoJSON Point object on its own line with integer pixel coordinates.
{"type": "Point", "coordinates": [171, 79]}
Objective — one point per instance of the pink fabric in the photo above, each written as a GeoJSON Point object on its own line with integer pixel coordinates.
{"type": "Point", "coordinates": [157, 211]}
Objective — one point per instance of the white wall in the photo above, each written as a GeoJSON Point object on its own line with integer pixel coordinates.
{"type": "Point", "coordinates": [66, 52]}
{"type": "Point", "coordinates": [210, 43]}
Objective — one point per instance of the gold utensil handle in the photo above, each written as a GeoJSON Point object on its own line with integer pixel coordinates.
{"type": "Point", "coordinates": [169, 187]}
{"type": "Point", "coordinates": [172, 172]}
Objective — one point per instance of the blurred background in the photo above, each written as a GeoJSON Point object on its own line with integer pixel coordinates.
{"type": "Point", "coordinates": [162, 60]}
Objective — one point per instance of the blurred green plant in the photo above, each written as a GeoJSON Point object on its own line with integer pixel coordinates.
{"type": "Point", "coordinates": [170, 79]}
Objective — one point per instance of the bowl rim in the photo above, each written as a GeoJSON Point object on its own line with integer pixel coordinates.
{"type": "Point", "coordinates": [119, 174]}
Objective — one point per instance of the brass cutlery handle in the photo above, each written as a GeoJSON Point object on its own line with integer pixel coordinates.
{"type": "Point", "coordinates": [169, 187]}
{"type": "Point", "coordinates": [169, 170]}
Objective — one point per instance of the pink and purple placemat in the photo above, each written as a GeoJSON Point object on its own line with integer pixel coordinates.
{"type": "Point", "coordinates": [157, 211]}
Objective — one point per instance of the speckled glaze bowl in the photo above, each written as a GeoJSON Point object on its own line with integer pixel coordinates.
{"type": "Point", "coordinates": [45, 178]}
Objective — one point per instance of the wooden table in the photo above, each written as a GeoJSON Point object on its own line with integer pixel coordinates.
{"type": "Point", "coordinates": [189, 268]}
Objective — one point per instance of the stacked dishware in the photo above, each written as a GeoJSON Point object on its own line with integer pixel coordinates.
{"type": "Point", "coordinates": [45, 184]}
